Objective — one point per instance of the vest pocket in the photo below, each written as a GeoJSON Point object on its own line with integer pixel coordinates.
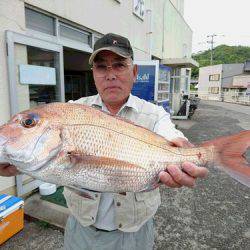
{"type": "Point", "coordinates": [146, 204]}
{"type": "Point", "coordinates": [83, 208]}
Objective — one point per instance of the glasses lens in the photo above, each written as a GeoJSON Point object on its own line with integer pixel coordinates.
{"type": "Point", "coordinates": [118, 68]}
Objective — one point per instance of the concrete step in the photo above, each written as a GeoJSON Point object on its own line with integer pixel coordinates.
{"type": "Point", "coordinates": [35, 207]}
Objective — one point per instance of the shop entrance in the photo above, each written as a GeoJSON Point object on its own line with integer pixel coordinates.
{"type": "Point", "coordinates": [78, 78]}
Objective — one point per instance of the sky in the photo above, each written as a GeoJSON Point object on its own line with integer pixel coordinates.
{"type": "Point", "coordinates": [228, 19]}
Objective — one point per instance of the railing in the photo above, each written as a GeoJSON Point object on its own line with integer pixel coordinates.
{"type": "Point", "coordinates": [236, 97]}
{"type": "Point", "coordinates": [230, 96]}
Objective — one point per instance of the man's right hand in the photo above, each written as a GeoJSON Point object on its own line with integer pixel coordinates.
{"type": "Point", "coordinates": [8, 170]}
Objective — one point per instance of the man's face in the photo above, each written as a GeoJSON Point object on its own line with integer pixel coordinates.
{"type": "Point", "coordinates": [114, 87]}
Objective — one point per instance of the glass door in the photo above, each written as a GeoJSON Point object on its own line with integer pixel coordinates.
{"type": "Point", "coordinates": [35, 70]}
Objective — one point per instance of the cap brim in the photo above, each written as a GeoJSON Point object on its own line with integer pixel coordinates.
{"type": "Point", "coordinates": [117, 51]}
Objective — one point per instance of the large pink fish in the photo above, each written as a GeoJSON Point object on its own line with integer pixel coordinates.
{"type": "Point", "coordinates": [78, 146]}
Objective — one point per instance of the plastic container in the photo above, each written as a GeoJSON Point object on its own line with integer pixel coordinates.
{"type": "Point", "coordinates": [47, 188]}
{"type": "Point", "coordinates": [11, 216]}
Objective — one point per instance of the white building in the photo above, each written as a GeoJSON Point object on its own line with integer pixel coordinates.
{"type": "Point", "coordinates": [60, 34]}
{"type": "Point", "coordinates": [214, 81]}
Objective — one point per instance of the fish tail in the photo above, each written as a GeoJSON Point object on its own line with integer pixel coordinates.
{"type": "Point", "coordinates": [230, 155]}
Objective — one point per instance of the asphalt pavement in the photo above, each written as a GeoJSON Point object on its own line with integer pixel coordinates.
{"type": "Point", "coordinates": [213, 215]}
{"type": "Point", "coordinates": [216, 213]}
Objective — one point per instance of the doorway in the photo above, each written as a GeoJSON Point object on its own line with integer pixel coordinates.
{"type": "Point", "coordinates": [78, 78]}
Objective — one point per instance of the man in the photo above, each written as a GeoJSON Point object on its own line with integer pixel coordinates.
{"type": "Point", "coordinates": [124, 220]}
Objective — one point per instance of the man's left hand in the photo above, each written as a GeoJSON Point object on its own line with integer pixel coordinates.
{"type": "Point", "coordinates": [185, 175]}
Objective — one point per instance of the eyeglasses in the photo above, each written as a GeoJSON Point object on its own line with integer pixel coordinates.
{"type": "Point", "coordinates": [118, 68]}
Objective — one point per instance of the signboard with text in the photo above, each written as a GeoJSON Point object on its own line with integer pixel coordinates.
{"type": "Point", "coordinates": [145, 86]}
{"type": "Point", "coordinates": [139, 8]}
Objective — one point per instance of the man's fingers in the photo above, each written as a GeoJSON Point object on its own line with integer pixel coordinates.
{"type": "Point", "coordinates": [181, 177]}
{"type": "Point", "coordinates": [8, 171]}
{"type": "Point", "coordinates": [176, 176]}
{"type": "Point", "coordinates": [166, 179]}
{"type": "Point", "coordinates": [194, 171]}
{"type": "Point", "coordinates": [13, 170]}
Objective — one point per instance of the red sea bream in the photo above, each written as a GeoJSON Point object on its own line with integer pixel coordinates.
{"type": "Point", "coordinates": [80, 147]}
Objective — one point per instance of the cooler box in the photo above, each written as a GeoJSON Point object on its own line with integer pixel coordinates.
{"type": "Point", "coordinates": [11, 216]}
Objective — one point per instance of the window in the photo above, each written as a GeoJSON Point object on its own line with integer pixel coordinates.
{"type": "Point", "coordinates": [74, 34]}
{"type": "Point", "coordinates": [213, 90]}
{"type": "Point", "coordinates": [215, 77]}
{"type": "Point", "coordinates": [139, 8]}
{"type": "Point", "coordinates": [40, 94]}
{"type": "Point", "coordinates": [39, 22]}
{"type": "Point", "coordinates": [176, 72]}
{"type": "Point", "coordinates": [176, 83]}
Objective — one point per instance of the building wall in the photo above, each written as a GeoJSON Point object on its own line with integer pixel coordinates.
{"type": "Point", "coordinates": [241, 81]}
{"type": "Point", "coordinates": [229, 71]}
{"type": "Point", "coordinates": [11, 18]}
{"type": "Point", "coordinates": [178, 35]}
{"type": "Point", "coordinates": [204, 73]}
{"type": "Point", "coordinates": [172, 40]}
{"type": "Point", "coordinates": [173, 37]}
{"type": "Point", "coordinates": [103, 16]}
{"type": "Point", "coordinates": [179, 5]}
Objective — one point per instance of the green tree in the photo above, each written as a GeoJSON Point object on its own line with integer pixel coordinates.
{"type": "Point", "coordinates": [222, 54]}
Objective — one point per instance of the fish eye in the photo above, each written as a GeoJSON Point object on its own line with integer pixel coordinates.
{"type": "Point", "coordinates": [28, 123]}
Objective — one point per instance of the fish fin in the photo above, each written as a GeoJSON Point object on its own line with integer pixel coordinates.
{"type": "Point", "coordinates": [153, 184]}
{"type": "Point", "coordinates": [151, 187]}
{"type": "Point", "coordinates": [77, 157]}
{"type": "Point", "coordinates": [229, 155]}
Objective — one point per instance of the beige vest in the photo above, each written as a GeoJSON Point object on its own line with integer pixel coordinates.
{"type": "Point", "coordinates": [132, 210]}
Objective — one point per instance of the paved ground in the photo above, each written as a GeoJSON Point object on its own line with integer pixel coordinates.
{"type": "Point", "coordinates": [214, 215]}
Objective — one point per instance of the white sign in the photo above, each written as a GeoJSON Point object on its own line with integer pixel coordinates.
{"type": "Point", "coordinates": [38, 75]}
{"type": "Point", "coordinates": [139, 8]}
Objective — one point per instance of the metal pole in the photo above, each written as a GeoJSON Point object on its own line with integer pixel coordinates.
{"type": "Point", "coordinates": [212, 46]}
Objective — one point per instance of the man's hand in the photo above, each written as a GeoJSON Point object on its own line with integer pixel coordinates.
{"type": "Point", "coordinates": [185, 175]}
{"type": "Point", "coordinates": [8, 170]}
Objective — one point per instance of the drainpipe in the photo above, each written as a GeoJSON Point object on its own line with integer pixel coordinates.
{"type": "Point", "coordinates": [150, 32]}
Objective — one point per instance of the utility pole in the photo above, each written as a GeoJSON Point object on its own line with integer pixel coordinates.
{"type": "Point", "coordinates": [212, 46]}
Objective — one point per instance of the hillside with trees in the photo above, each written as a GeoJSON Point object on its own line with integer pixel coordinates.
{"type": "Point", "coordinates": [222, 54]}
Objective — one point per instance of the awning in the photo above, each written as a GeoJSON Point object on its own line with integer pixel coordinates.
{"type": "Point", "coordinates": [180, 62]}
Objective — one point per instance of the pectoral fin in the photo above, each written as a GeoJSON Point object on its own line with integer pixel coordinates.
{"type": "Point", "coordinates": [101, 161]}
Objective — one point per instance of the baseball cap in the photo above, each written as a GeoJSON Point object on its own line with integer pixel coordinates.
{"type": "Point", "coordinates": [112, 42]}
